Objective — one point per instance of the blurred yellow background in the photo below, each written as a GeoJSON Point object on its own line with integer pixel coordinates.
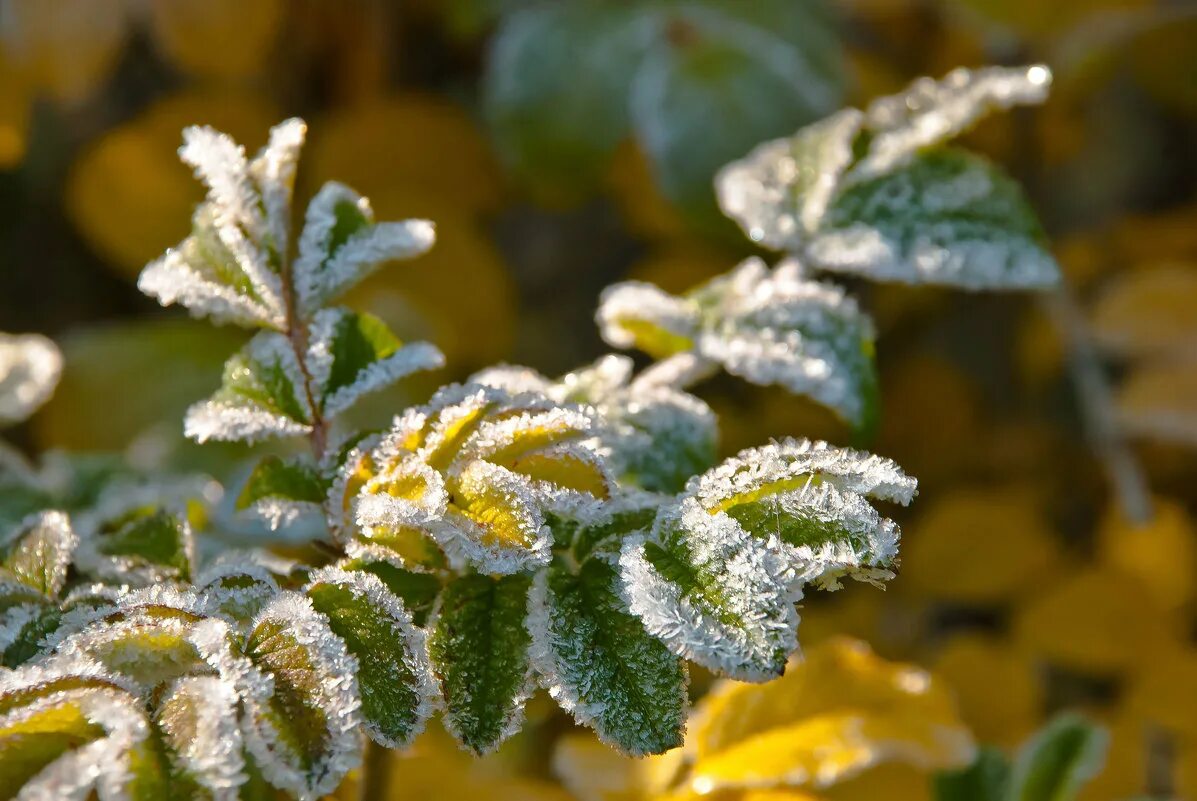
{"type": "Point", "coordinates": [1027, 586]}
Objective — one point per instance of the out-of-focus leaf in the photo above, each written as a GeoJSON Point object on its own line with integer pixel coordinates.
{"type": "Point", "coordinates": [96, 411]}
{"type": "Point", "coordinates": [1158, 400]}
{"type": "Point", "coordinates": [30, 366]}
{"type": "Point", "coordinates": [223, 39]}
{"type": "Point", "coordinates": [987, 779]}
{"type": "Point", "coordinates": [1148, 311]}
{"type": "Point", "coordinates": [479, 649]}
{"type": "Point", "coordinates": [1158, 552]}
{"type": "Point", "coordinates": [999, 688]}
{"type": "Point", "coordinates": [67, 50]}
{"type": "Point", "coordinates": [1113, 624]}
{"type": "Point", "coordinates": [979, 547]}
{"type": "Point", "coordinates": [593, 771]}
{"type": "Point", "coordinates": [153, 542]}
{"type": "Point", "coordinates": [1058, 760]}
{"type": "Point", "coordinates": [715, 88]}
{"type": "Point", "coordinates": [557, 87]}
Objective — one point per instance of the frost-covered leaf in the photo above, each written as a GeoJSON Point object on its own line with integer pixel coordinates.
{"type": "Point", "coordinates": [237, 585]}
{"type": "Point", "coordinates": [479, 648]}
{"type": "Point", "coordinates": [809, 501]}
{"type": "Point", "coordinates": [809, 337]}
{"type": "Point", "coordinates": [23, 629]}
{"type": "Point", "coordinates": [838, 712]}
{"type": "Point", "coordinates": [394, 676]}
{"type": "Point", "coordinates": [351, 354]}
{"type": "Point", "coordinates": [768, 327]}
{"type": "Point", "coordinates": [712, 593]}
{"type": "Point", "coordinates": [625, 516]}
{"type": "Point", "coordinates": [39, 552]}
{"type": "Point", "coordinates": [475, 471]}
{"type": "Point", "coordinates": [280, 490]}
{"type": "Point", "coordinates": [1058, 760]}
{"type": "Point", "coordinates": [30, 366]}
{"type": "Point", "coordinates": [931, 111]}
{"type": "Point", "coordinates": [147, 544]}
{"type": "Point", "coordinates": [228, 268]}
{"type": "Point", "coordinates": [862, 192]}
{"type": "Point", "coordinates": [301, 699]}
{"type": "Point", "coordinates": [945, 217]}
{"type": "Point", "coordinates": [654, 436]}
{"type": "Point", "coordinates": [341, 244]}
{"type": "Point", "coordinates": [66, 732]}
{"type": "Point", "coordinates": [779, 192]}
{"type": "Point", "coordinates": [198, 720]}
{"type": "Point", "coordinates": [599, 663]}
{"type": "Point", "coordinates": [261, 395]}
{"type": "Point", "coordinates": [636, 314]}
{"type": "Point", "coordinates": [418, 591]}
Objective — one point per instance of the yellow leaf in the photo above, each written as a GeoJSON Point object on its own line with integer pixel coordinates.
{"type": "Point", "coordinates": [1146, 311]}
{"type": "Point", "coordinates": [411, 155]}
{"type": "Point", "coordinates": [1096, 620]}
{"type": "Point", "coordinates": [502, 517]}
{"type": "Point", "coordinates": [129, 195]}
{"type": "Point", "coordinates": [593, 771]}
{"type": "Point", "coordinates": [219, 38]}
{"type": "Point", "coordinates": [998, 688]}
{"type": "Point", "coordinates": [1165, 692]}
{"type": "Point", "coordinates": [830, 717]}
{"type": "Point", "coordinates": [579, 470]}
{"type": "Point", "coordinates": [1160, 553]}
{"type": "Point", "coordinates": [977, 546]}
{"type": "Point", "coordinates": [1159, 401]}
{"type": "Point", "coordinates": [66, 48]}
{"type": "Point", "coordinates": [892, 782]}
{"type": "Point", "coordinates": [1124, 774]}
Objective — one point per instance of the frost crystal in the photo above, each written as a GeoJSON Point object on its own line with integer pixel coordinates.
{"type": "Point", "coordinates": [198, 717]}
{"type": "Point", "coordinates": [29, 369]}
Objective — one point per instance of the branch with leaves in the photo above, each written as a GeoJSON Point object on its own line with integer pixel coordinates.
{"type": "Point", "coordinates": [515, 531]}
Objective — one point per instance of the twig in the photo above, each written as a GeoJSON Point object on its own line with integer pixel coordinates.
{"type": "Point", "coordinates": [1097, 408]}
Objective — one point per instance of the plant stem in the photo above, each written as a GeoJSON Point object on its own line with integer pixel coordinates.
{"type": "Point", "coordinates": [376, 772]}
{"type": "Point", "coordinates": [1097, 408]}
{"type": "Point", "coordinates": [297, 335]}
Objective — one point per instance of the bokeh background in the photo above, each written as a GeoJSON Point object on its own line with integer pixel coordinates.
{"type": "Point", "coordinates": [1034, 577]}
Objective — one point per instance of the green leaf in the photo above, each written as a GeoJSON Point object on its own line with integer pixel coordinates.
{"type": "Point", "coordinates": [606, 536]}
{"type": "Point", "coordinates": [353, 354]}
{"type": "Point", "coordinates": [556, 88]}
{"type": "Point", "coordinates": [712, 593]}
{"type": "Point", "coordinates": [479, 650]}
{"type": "Point", "coordinates": [714, 90]}
{"type": "Point", "coordinates": [397, 686]}
{"type": "Point", "coordinates": [22, 629]}
{"type": "Point", "coordinates": [944, 217]}
{"type": "Point", "coordinates": [600, 664]}
{"type": "Point", "coordinates": [279, 490]}
{"type": "Point", "coordinates": [39, 553]}
{"type": "Point", "coordinates": [261, 395]}
{"type": "Point", "coordinates": [418, 591]}
{"type": "Point", "coordinates": [303, 710]}
{"type": "Point", "coordinates": [987, 779]}
{"type": "Point", "coordinates": [150, 541]}
{"type": "Point", "coordinates": [1058, 760]}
